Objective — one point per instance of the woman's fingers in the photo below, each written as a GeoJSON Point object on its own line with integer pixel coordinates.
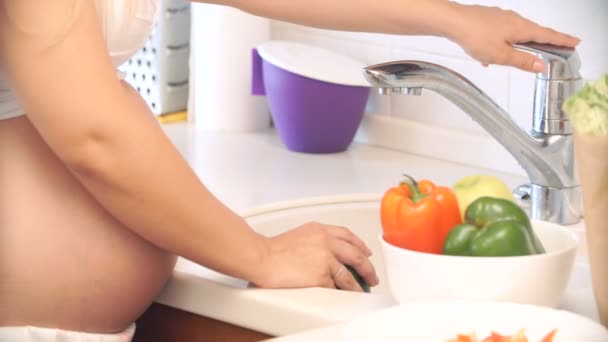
{"type": "Point", "coordinates": [347, 235]}
{"type": "Point", "coordinates": [351, 250]}
{"type": "Point", "coordinates": [329, 283]}
{"type": "Point", "coordinates": [525, 61]}
{"type": "Point", "coordinates": [547, 35]}
{"type": "Point", "coordinates": [531, 32]}
{"type": "Point", "coordinates": [348, 254]}
{"type": "Point", "coordinates": [343, 279]}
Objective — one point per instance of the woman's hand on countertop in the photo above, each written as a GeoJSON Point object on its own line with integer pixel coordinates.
{"type": "Point", "coordinates": [313, 255]}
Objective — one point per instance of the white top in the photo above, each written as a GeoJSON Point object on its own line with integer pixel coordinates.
{"type": "Point", "coordinates": [126, 25]}
{"type": "Point", "coordinates": [314, 62]}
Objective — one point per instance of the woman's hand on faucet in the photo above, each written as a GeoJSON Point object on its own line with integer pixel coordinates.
{"type": "Point", "coordinates": [488, 34]}
{"type": "Point", "coordinates": [485, 33]}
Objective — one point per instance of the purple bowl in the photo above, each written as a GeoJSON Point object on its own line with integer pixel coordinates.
{"type": "Point", "coordinates": [311, 116]}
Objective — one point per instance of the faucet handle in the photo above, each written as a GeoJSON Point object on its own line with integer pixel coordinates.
{"type": "Point", "coordinates": [562, 63]}
{"type": "Point", "coordinates": [553, 86]}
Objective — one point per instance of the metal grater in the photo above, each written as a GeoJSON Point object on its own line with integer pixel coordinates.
{"type": "Point", "coordinates": [159, 71]}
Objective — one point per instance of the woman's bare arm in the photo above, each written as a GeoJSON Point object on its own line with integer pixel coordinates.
{"type": "Point", "coordinates": [383, 16]}
{"type": "Point", "coordinates": [485, 33]}
{"type": "Point", "coordinates": [111, 142]}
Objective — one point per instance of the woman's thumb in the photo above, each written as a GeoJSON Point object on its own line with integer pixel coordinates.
{"type": "Point", "coordinates": [525, 61]}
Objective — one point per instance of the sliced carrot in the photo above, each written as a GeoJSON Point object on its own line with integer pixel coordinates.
{"type": "Point", "coordinates": [550, 336]}
{"type": "Point", "coordinates": [520, 336]}
{"type": "Point", "coordinates": [496, 337]}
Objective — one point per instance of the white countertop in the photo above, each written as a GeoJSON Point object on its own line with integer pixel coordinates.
{"type": "Point", "coordinates": [246, 170]}
{"type": "Point", "coordinates": [249, 170]}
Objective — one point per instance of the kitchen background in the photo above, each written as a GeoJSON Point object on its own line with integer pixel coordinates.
{"type": "Point", "coordinates": [427, 124]}
{"type": "Point", "coordinates": [511, 89]}
{"type": "Point", "coordinates": [391, 120]}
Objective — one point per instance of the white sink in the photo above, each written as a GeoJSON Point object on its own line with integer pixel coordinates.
{"type": "Point", "coordinates": [280, 312]}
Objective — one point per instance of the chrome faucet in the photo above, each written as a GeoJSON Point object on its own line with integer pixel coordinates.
{"type": "Point", "coordinates": [546, 153]}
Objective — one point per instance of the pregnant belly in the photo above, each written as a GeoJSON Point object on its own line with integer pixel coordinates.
{"type": "Point", "coordinates": [64, 261]}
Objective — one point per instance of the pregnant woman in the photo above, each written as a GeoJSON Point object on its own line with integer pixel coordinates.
{"type": "Point", "coordinates": [89, 224]}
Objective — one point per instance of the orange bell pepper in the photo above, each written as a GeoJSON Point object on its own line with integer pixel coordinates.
{"type": "Point", "coordinates": [418, 215]}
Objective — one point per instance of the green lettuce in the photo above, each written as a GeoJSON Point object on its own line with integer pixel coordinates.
{"type": "Point", "coordinates": [588, 109]}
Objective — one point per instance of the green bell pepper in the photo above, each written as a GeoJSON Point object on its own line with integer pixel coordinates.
{"type": "Point", "coordinates": [493, 227]}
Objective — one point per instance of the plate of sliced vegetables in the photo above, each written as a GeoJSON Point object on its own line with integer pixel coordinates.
{"type": "Point", "coordinates": [458, 321]}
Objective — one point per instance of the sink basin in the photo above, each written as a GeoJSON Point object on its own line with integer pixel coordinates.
{"type": "Point", "coordinates": [199, 290]}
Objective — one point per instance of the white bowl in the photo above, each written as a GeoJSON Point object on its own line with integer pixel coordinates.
{"type": "Point", "coordinates": [534, 279]}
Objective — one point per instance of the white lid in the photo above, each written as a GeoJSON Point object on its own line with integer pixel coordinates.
{"type": "Point", "coordinates": [313, 62]}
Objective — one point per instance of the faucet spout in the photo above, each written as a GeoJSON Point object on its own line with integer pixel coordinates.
{"type": "Point", "coordinates": [547, 158]}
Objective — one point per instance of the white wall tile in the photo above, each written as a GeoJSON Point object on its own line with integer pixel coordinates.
{"type": "Point", "coordinates": [378, 104]}
{"type": "Point", "coordinates": [366, 47]}
{"type": "Point", "coordinates": [432, 45]}
{"type": "Point", "coordinates": [434, 109]}
{"type": "Point", "coordinates": [496, 3]}
{"type": "Point", "coordinates": [521, 91]}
